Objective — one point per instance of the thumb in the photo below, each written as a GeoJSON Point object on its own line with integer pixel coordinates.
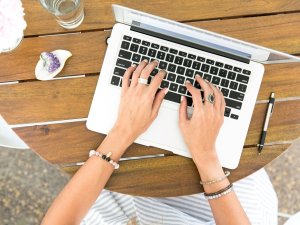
{"type": "Point", "coordinates": [157, 101]}
{"type": "Point", "coordinates": [183, 110]}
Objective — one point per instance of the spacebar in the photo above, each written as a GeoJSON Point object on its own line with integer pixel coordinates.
{"type": "Point", "coordinates": [171, 96]}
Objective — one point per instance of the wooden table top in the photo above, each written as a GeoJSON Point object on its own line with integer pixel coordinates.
{"type": "Point", "coordinates": [33, 105]}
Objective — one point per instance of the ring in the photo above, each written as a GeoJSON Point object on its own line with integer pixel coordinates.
{"type": "Point", "coordinates": [143, 81]}
{"type": "Point", "coordinates": [211, 98]}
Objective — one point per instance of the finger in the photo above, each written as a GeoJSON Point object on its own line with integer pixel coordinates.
{"type": "Point", "coordinates": [156, 81]}
{"type": "Point", "coordinates": [183, 117]}
{"type": "Point", "coordinates": [217, 96]}
{"type": "Point", "coordinates": [126, 77]}
{"type": "Point", "coordinates": [206, 88]}
{"type": "Point", "coordinates": [223, 103]}
{"type": "Point", "coordinates": [157, 102]}
{"type": "Point", "coordinates": [137, 72]}
{"type": "Point", "coordinates": [195, 92]}
{"type": "Point", "coordinates": [148, 69]}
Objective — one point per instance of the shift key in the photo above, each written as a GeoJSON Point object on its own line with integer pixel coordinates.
{"type": "Point", "coordinates": [233, 104]}
{"type": "Point", "coordinates": [123, 63]}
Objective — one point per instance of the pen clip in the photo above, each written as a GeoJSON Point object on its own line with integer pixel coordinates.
{"type": "Point", "coordinates": [273, 105]}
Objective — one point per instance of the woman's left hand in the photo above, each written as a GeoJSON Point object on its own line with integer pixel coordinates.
{"type": "Point", "coordinates": [140, 103]}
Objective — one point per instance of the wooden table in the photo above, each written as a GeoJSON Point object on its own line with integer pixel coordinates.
{"type": "Point", "coordinates": [34, 104]}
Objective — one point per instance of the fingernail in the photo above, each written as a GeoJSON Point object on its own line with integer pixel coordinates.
{"type": "Point", "coordinates": [197, 75]}
{"type": "Point", "coordinates": [155, 61]}
{"type": "Point", "coordinates": [133, 65]}
{"type": "Point", "coordinates": [206, 80]}
{"type": "Point", "coordinates": [187, 82]}
{"type": "Point", "coordinates": [166, 91]}
{"type": "Point", "coordinates": [145, 60]}
{"type": "Point", "coordinates": [181, 98]}
{"type": "Point", "coordinates": [165, 72]}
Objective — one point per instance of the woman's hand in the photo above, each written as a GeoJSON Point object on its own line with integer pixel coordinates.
{"type": "Point", "coordinates": [201, 130]}
{"type": "Point", "coordinates": [139, 103]}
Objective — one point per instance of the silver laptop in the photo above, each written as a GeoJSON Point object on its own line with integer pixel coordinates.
{"type": "Point", "coordinates": [234, 66]}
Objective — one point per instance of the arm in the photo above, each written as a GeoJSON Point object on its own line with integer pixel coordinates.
{"type": "Point", "coordinates": [200, 133]}
{"type": "Point", "coordinates": [139, 106]}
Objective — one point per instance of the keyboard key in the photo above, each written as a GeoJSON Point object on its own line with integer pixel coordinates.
{"type": "Point", "coordinates": [191, 56]}
{"type": "Point", "coordinates": [154, 72]}
{"type": "Point", "coordinates": [174, 97]}
{"type": "Point", "coordinates": [207, 77]}
{"type": "Point", "coordinates": [180, 70]}
{"type": "Point", "coordinates": [164, 48]}
{"type": "Point", "coordinates": [171, 67]}
{"type": "Point", "coordinates": [162, 65]}
{"type": "Point", "coordinates": [125, 45]}
{"type": "Point", "coordinates": [234, 116]}
{"type": "Point", "coordinates": [152, 52]}
{"type": "Point", "coordinates": [197, 85]}
{"type": "Point", "coordinates": [115, 80]}
{"type": "Point", "coordinates": [143, 50]}
{"type": "Point", "coordinates": [124, 54]}
{"type": "Point", "coordinates": [242, 88]}
{"type": "Point", "coordinates": [200, 59]}
{"type": "Point", "coordinates": [224, 83]}
{"type": "Point", "coordinates": [123, 63]}
{"type": "Point", "coordinates": [222, 73]}
{"type": "Point", "coordinates": [219, 64]}
{"type": "Point", "coordinates": [155, 46]}
{"type": "Point", "coordinates": [136, 58]}
{"type": "Point", "coordinates": [227, 112]}
{"type": "Point", "coordinates": [233, 85]}
{"type": "Point", "coordinates": [242, 78]}
{"type": "Point", "coordinates": [127, 38]}
{"type": "Point", "coordinates": [171, 77]}
{"type": "Point", "coordinates": [236, 95]}
{"type": "Point", "coordinates": [189, 73]}
{"type": "Point", "coordinates": [134, 47]}
{"type": "Point", "coordinates": [170, 58]}
{"type": "Point", "coordinates": [119, 71]}
{"type": "Point", "coordinates": [182, 89]}
{"type": "Point", "coordinates": [136, 40]}
{"type": "Point", "coordinates": [216, 80]}
{"type": "Point", "coordinates": [178, 60]}
{"type": "Point", "coordinates": [145, 57]}
{"type": "Point", "coordinates": [233, 104]}
{"type": "Point", "coordinates": [225, 91]}
{"type": "Point", "coordinates": [180, 79]}
{"type": "Point", "coordinates": [164, 84]}
{"type": "Point", "coordinates": [247, 72]}
{"type": "Point", "coordinates": [187, 63]}
{"type": "Point", "coordinates": [237, 69]}
{"type": "Point", "coordinates": [196, 65]}
{"type": "Point", "coordinates": [189, 101]}
{"type": "Point", "coordinates": [209, 61]}
{"type": "Point", "coordinates": [161, 55]}
{"type": "Point", "coordinates": [205, 68]}
{"type": "Point", "coordinates": [146, 43]}
{"type": "Point", "coordinates": [231, 75]}
{"type": "Point", "coordinates": [120, 84]}
{"type": "Point", "coordinates": [184, 54]}
{"type": "Point", "coordinates": [174, 51]}
{"type": "Point", "coordinates": [149, 79]}
{"type": "Point", "coordinates": [173, 87]}
{"type": "Point", "coordinates": [229, 67]}
{"type": "Point", "coordinates": [214, 70]}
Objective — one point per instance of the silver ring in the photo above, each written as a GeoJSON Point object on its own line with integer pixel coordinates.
{"type": "Point", "coordinates": [143, 81]}
{"type": "Point", "coordinates": [211, 98]}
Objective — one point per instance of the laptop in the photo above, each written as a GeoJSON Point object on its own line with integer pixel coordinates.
{"type": "Point", "coordinates": [235, 66]}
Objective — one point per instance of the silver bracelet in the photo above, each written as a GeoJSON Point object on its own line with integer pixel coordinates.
{"type": "Point", "coordinates": [105, 157]}
{"type": "Point", "coordinates": [219, 195]}
{"type": "Point", "coordinates": [227, 173]}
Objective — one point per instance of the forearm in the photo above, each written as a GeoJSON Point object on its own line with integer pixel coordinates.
{"type": "Point", "coordinates": [80, 193]}
{"type": "Point", "coordinates": [227, 209]}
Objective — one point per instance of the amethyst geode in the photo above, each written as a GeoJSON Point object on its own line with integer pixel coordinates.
{"type": "Point", "coordinates": [51, 62]}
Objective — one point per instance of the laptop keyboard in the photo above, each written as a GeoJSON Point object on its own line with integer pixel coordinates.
{"type": "Point", "coordinates": [182, 66]}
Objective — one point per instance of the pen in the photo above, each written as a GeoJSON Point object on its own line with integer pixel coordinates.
{"type": "Point", "coordinates": [266, 123]}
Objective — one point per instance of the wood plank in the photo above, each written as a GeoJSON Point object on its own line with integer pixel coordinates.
{"type": "Point", "coordinates": [99, 15]}
{"type": "Point", "coordinates": [47, 141]}
{"type": "Point", "coordinates": [155, 177]}
{"type": "Point", "coordinates": [88, 55]}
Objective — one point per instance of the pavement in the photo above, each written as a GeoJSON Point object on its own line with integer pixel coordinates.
{"type": "Point", "coordinates": [28, 185]}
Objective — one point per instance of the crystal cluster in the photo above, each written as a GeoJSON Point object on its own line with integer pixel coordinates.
{"type": "Point", "coordinates": [51, 62]}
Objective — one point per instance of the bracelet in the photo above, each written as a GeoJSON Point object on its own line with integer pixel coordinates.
{"type": "Point", "coordinates": [220, 193]}
{"type": "Point", "coordinates": [105, 157]}
{"type": "Point", "coordinates": [227, 173]}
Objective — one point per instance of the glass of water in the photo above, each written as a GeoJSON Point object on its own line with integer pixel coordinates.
{"type": "Point", "coordinates": [69, 13]}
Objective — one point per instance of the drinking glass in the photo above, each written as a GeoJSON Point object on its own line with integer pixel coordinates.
{"type": "Point", "coordinates": [69, 13]}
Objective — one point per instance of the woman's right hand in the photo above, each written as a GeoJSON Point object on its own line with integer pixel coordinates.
{"type": "Point", "coordinates": [201, 130]}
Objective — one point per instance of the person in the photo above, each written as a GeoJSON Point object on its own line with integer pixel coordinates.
{"type": "Point", "coordinates": [139, 106]}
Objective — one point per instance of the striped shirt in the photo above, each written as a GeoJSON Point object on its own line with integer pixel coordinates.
{"type": "Point", "coordinates": [255, 192]}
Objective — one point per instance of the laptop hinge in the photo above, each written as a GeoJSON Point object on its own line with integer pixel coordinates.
{"type": "Point", "coordinates": [190, 44]}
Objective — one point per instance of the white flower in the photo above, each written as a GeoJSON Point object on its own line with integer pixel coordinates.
{"type": "Point", "coordinates": [12, 23]}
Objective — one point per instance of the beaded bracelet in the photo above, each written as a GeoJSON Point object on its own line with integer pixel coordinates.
{"type": "Point", "coordinates": [105, 157]}
{"type": "Point", "coordinates": [227, 173]}
{"type": "Point", "coordinates": [220, 193]}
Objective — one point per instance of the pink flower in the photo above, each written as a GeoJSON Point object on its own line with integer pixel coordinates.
{"type": "Point", "coordinates": [12, 23]}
